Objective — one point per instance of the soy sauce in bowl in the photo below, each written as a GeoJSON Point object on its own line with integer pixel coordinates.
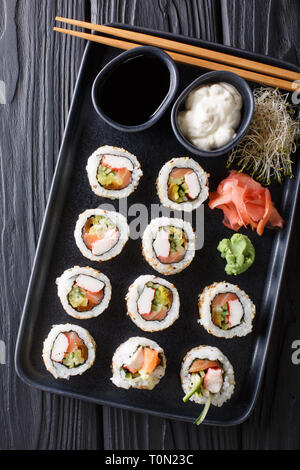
{"type": "Point", "coordinates": [133, 91]}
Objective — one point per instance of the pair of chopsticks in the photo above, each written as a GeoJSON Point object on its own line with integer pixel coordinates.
{"type": "Point", "coordinates": [188, 54]}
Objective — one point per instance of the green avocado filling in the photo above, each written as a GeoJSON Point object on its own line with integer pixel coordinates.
{"type": "Point", "coordinates": [99, 223]}
{"type": "Point", "coordinates": [177, 190]}
{"type": "Point", "coordinates": [220, 317]}
{"type": "Point", "coordinates": [177, 239]}
{"type": "Point", "coordinates": [73, 359]}
{"type": "Point", "coordinates": [238, 252]}
{"type": "Point", "coordinates": [129, 375]}
{"type": "Point", "coordinates": [77, 297]}
{"type": "Point", "coordinates": [162, 297]}
{"type": "Point", "coordinates": [107, 178]}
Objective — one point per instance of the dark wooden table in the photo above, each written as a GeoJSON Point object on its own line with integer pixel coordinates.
{"type": "Point", "coordinates": [39, 69]}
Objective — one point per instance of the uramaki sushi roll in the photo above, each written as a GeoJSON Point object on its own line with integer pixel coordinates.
{"type": "Point", "coordinates": [138, 363]}
{"type": "Point", "coordinates": [152, 303]}
{"type": "Point", "coordinates": [225, 310]}
{"type": "Point", "coordinates": [84, 292]}
{"type": "Point", "coordinates": [101, 235]}
{"type": "Point", "coordinates": [182, 184]}
{"type": "Point", "coordinates": [68, 350]}
{"type": "Point", "coordinates": [207, 377]}
{"type": "Point", "coordinates": [169, 245]}
{"type": "Point", "coordinates": [113, 172]}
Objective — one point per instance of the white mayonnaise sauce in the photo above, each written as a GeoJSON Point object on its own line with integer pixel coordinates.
{"type": "Point", "coordinates": [212, 115]}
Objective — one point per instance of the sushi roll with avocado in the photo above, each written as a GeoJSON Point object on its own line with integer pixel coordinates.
{"type": "Point", "coordinates": [225, 310]}
{"type": "Point", "coordinates": [113, 172]}
{"type": "Point", "coordinates": [84, 292]}
{"type": "Point", "coordinates": [138, 363]}
{"type": "Point", "coordinates": [207, 378]}
{"type": "Point", "coordinates": [152, 303]}
{"type": "Point", "coordinates": [101, 235]}
{"type": "Point", "coordinates": [169, 245]}
{"type": "Point", "coordinates": [182, 184]}
{"type": "Point", "coordinates": [68, 350]}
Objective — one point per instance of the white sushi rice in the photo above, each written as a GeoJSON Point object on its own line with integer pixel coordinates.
{"type": "Point", "coordinates": [118, 219]}
{"type": "Point", "coordinates": [134, 292]}
{"type": "Point", "coordinates": [162, 184]}
{"type": "Point", "coordinates": [150, 235]}
{"type": "Point", "coordinates": [205, 301]}
{"type": "Point", "coordinates": [94, 162]}
{"type": "Point", "coordinates": [213, 354]}
{"type": "Point", "coordinates": [57, 369]}
{"type": "Point", "coordinates": [64, 286]}
{"type": "Point", "coordinates": [122, 356]}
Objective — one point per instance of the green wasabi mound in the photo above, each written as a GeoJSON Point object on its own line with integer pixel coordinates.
{"type": "Point", "coordinates": [238, 252]}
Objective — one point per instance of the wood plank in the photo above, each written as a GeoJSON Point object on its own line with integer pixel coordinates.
{"type": "Point", "coordinates": [9, 66]}
{"type": "Point", "coordinates": [267, 27]}
{"type": "Point", "coordinates": [31, 129]}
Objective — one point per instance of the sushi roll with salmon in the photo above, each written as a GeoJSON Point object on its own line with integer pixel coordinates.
{"type": "Point", "coordinates": [169, 245]}
{"type": "Point", "coordinates": [182, 184]}
{"type": "Point", "coordinates": [138, 363]}
{"type": "Point", "coordinates": [207, 378]}
{"type": "Point", "coordinates": [68, 350]}
{"type": "Point", "coordinates": [101, 235]}
{"type": "Point", "coordinates": [113, 172]}
{"type": "Point", "coordinates": [152, 303]}
{"type": "Point", "coordinates": [84, 292]}
{"type": "Point", "coordinates": [225, 310]}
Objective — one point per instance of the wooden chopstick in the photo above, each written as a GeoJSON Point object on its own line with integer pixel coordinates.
{"type": "Point", "coordinates": [186, 49]}
{"type": "Point", "coordinates": [185, 59]}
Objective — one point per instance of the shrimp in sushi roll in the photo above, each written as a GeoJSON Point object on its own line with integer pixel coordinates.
{"type": "Point", "coordinates": [207, 378]}
{"type": "Point", "coordinates": [169, 245]}
{"type": "Point", "coordinates": [138, 363]}
{"type": "Point", "coordinates": [152, 303]}
{"type": "Point", "coordinates": [101, 235]}
{"type": "Point", "coordinates": [225, 310]}
{"type": "Point", "coordinates": [83, 292]}
{"type": "Point", "coordinates": [182, 184]}
{"type": "Point", "coordinates": [68, 350]}
{"type": "Point", "coordinates": [113, 172]}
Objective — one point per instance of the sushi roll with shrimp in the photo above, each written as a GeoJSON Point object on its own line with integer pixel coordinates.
{"type": "Point", "coordinates": [207, 377]}
{"type": "Point", "coordinates": [152, 303]}
{"type": "Point", "coordinates": [84, 292]}
{"type": "Point", "coordinates": [68, 350]}
{"type": "Point", "coordinates": [182, 184]}
{"type": "Point", "coordinates": [101, 235]}
{"type": "Point", "coordinates": [169, 245]}
{"type": "Point", "coordinates": [113, 172]}
{"type": "Point", "coordinates": [225, 310]}
{"type": "Point", "coordinates": [138, 363]}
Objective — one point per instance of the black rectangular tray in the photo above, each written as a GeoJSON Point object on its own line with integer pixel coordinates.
{"type": "Point", "coordinates": [71, 194]}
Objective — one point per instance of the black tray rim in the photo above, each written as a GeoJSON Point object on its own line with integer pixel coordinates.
{"type": "Point", "coordinates": [280, 240]}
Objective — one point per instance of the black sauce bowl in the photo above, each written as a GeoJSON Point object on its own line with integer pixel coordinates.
{"type": "Point", "coordinates": [246, 115]}
{"type": "Point", "coordinates": [112, 66]}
